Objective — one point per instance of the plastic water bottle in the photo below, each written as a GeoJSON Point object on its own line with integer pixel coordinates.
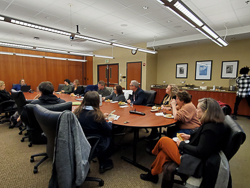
{"type": "Point", "coordinates": [100, 100]}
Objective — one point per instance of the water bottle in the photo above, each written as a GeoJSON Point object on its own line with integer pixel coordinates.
{"type": "Point", "coordinates": [100, 100]}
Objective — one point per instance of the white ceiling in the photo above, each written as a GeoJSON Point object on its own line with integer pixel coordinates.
{"type": "Point", "coordinates": [123, 20]}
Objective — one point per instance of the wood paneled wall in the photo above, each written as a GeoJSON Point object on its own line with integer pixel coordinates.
{"type": "Point", "coordinates": [35, 70]}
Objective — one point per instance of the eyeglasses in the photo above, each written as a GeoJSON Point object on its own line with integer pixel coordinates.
{"type": "Point", "coordinates": [131, 85]}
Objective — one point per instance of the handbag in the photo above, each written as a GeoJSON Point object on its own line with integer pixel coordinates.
{"type": "Point", "coordinates": [191, 165]}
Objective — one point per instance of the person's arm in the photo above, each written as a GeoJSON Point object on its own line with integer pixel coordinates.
{"type": "Point", "coordinates": [106, 128]}
{"type": "Point", "coordinates": [185, 114]}
{"type": "Point", "coordinates": [121, 98]}
{"type": "Point", "coordinates": [109, 97]}
{"type": "Point", "coordinates": [67, 89]}
{"type": "Point", "coordinates": [174, 109]}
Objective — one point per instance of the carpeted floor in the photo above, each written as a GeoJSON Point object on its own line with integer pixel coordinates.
{"type": "Point", "coordinates": [16, 171]}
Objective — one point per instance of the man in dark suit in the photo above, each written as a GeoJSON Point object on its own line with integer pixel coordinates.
{"type": "Point", "coordinates": [138, 96]}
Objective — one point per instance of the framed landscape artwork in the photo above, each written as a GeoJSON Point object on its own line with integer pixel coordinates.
{"type": "Point", "coordinates": [203, 70]}
{"type": "Point", "coordinates": [229, 69]}
{"type": "Point", "coordinates": [181, 70]}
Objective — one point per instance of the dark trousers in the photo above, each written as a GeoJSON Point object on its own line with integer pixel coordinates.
{"type": "Point", "coordinates": [237, 102]}
{"type": "Point", "coordinates": [104, 155]}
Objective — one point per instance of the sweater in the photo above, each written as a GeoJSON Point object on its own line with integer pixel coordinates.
{"type": "Point", "coordinates": [104, 92]}
{"type": "Point", "coordinates": [78, 91]}
{"type": "Point", "coordinates": [187, 117]}
{"type": "Point", "coordinates": [4, 96]}
{"type": "Point", "coordinates": [67, 89]}
{"type": "Point", "coordinates": [138, 97]}
{"type": "Point", "coordinates": [115, 97]}
{"type": "Point", "coordinates": [48, 99]}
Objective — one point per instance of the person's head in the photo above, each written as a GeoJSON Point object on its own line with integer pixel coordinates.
{"type": "Point", "coordinates": [76, 83]}
{"type": "Point", "coordinates": [46, 88]}
{"type": "Point", "coordinates": [2, 85]}
{"type": "Point", "coordinates": [66, 82]}
{"type": "Point", "coordinates": [118, 89]}
{"type": "Point", "coordinates": [22, 82]}
{"type": "Point", "coordinates": [182, 97]}
{"type": "Point", "coordinates": [101, 84]}
{"type": "Point", "coordinates": [134, 85]}
{"type": "Point", "coordinates": [172, 89]}
{"type": "Point", "coordinates": [209, 110]}
{"type": "Point", "coordinates": [91, 98]}
{"type": "Point", "coordinates": [244, 70]}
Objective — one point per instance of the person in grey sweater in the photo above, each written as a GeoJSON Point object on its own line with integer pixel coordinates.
{"type": "Point", "coordinates": [102, 90]}
{"type": "Point", "coordinates": [67, 88]}
{"type": "Point", "coordinates": [117, 95]}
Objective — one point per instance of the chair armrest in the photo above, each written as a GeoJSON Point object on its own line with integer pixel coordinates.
{"type": "Point", "coordinates": [28, 101]}
{"type": "Point", "coordinates": [93, 141]}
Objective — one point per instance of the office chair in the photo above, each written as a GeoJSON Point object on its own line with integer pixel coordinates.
{"type": "Point", "coordinates": [33, 128]}
{"type": "Point", "coordinates": [150, 97]}
{"type": "Point", "coordinates": [60, 86]}
{"type": "Point", "coordinates": [235, 137]}
{"type": "Point", "coordinates": [49, 122]}
{"type": "Point", "coordinates": [8, 108]}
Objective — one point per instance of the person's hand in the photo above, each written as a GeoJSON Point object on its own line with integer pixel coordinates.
{"type": "Point", "coordinates": [128, 101]}
{"type": "Point", "coordinates": [162, 106]}
{"type": "Point", "coordinates": [62, 91]}
{"type": "Point", "coordinates": [18, 119]}
{"type": "Point", "coordinates": [185, 136]}
{"type": "Point", "coordinates": [37, 96]}
{"type": "Point", "coordinates": [178, 142]}
{"type": "Point", "coordinates": [103, 98]}
{"type": "Point", "coordinates": [106, 114]}
{"type": "Point", "coordinates": [111, 119]}
{"type": "Point", "coordinates": [173, 102]}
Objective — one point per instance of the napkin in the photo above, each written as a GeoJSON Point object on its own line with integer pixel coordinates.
{"type": "Point", "coordinates": [159, 114]}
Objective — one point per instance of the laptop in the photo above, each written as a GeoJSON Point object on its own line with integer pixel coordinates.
{"type": "Point", "coordinates": [25, 88]}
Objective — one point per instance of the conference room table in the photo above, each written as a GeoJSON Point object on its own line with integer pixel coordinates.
{"type": "Point", "coordinates": [126, 119]}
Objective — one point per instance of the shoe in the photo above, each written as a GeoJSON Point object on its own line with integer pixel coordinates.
{"type": "Point", "coordinates": [105, 166]}
{"type": "Point", "coordinates": [152, 137]}
{"type": "Point", "coordinates": [149, 177]}
{"type": "Point", "coordinates": [234, 117]}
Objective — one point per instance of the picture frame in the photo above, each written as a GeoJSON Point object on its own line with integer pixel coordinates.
{"type": "Point", "coordinates": [203, 70]}
{"type": "Point", "coordinates": [181, 70]}
{"type": "Point", "coordinates": [229, 69]}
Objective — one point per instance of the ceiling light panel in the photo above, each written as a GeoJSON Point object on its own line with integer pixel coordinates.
{"type": "Point", "coordinates": [222, 42]}
{"type": "Point", "coordinates": [15, 45]}
{"type": "Point", "coordinates": [124, 46]}
{"type": "Point", "coordinates": [1, 18]}
{"type": "Point", "coordinates": [210, 32]}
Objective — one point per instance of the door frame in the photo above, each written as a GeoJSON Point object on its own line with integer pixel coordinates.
{"type": "Point", "coordinates": [127, 72]}
{"type": "Point", "coordinates": [108, 70]}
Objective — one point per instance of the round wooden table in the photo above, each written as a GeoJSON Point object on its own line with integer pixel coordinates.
{"type": "Point", "coordinates": [149, 120]}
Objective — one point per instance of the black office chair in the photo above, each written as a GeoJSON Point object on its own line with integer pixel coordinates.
{"type": "Point", "coordinates": [150, 97]}
{"type": "Point", "coordinates": [33, 128]}
{"type": "Point", "coordinates": [49, 121]}
{"type": "Point", "coordinates": [235, 137]}
{"type": "Point", "coordinates": [8, 108]}
{"type": "Point", "coordinates": [20, 101]}
{"type": "Point", "coordinates": [60, 86]}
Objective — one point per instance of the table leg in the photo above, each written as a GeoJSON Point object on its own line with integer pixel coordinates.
{"type": "Point", "coordinates": [133, 162]}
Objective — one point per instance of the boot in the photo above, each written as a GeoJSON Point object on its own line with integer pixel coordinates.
{"type": "Point", "coordinates": [149, 177]}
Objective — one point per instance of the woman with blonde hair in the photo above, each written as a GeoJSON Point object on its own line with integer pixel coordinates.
{"type": "Point", "coordinates": [93, 123]}
{"type": "Point", "coordinates": [4, 95]}
{"type": "Point", "coordinates": [77, 90]}
{"type": "Point", "coordinates": [204, 142]}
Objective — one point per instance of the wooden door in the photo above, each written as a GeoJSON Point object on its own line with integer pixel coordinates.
{"type": "Point", "coordinates": [103, 73]}
{"type": "Point", "coordinates": [113, 75]}
{"type": "Point", "coordinates": [134, 72]}
{"type": "Point", "coordinates": [88, 71]}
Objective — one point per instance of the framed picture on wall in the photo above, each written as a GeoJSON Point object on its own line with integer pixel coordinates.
{"type": "Point", "coordinates": [203, 70]}
{"type": "Point", "coordinates": [229, 69]}
{"type": "Point", "coordinates": [181, 70]}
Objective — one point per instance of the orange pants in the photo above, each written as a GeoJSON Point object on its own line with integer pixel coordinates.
{"type": "Point", "coordinates": [166, 150]}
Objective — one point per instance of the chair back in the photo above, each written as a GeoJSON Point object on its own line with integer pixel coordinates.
{"type": "Point", "coordinates": [235, 137]}
{"type": "Point", "coordinates": [91, 88]}
{"type": "Point", "coordinates": [29, 118]}
{"type": "Point", "coordinates": [60, 86]}
{"type": "Point", "coordinates": [19, 99]}
{"type": "Point", "coordinates": [48, 122]}
{"type": "Point", "coordinates": [150, 97]}
{"type": "Point", "coordinates": [111, 89]}
{"type": "Point", "coordinates": [7, 106]}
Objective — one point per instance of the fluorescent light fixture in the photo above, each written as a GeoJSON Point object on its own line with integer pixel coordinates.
{"type": "Point", "coordinates": [29, 55]}
{"type": "Point", "coordinates": [1, 18]}
{"type": "Point", "coordinates": [217, 42]}
{"type": "Point", "coordinates": [103, 56]}
{"type": "Point", "coordinates": [180, 16]}
{"type": "Point", "coordinates": [51, 50]}
{"type": "Point", "coordinates": [224, 43]}
{"type": "Point", "coordinates": [159, 1]}
{"type": "Point", "coordinates": [58, 58]}
{"type": "Point", "coordinates": [81, 54]}
{"type": "Point", "coordinates": [6, 53]}
{"type": "Point", "coordinates": [15, 45]}
{"type": "Point", "coordinates": [147, 51]}
{"type": "Point", "coordinates": [190, 15]}
{"type": "Point", "coordinates": [209, 31]}
{"type": "Point", "coordinates": [93, 39]}
{"type": "Point", "coordinates": [80, 60]}
{"type": "Point", "coordinates": [204, 33]}
{"type": "Point", "coordinates": [124, 46]}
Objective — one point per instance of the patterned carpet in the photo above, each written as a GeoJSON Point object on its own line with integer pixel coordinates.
{"type": "Point", "coordinates": [16, 170]}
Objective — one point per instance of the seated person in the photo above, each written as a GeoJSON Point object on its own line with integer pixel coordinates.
{"type": "Point", "coordinates": [77, 90]}
{"type": "Point", "coordinates": [204, 142]}
{"type": "Point", "coordinates": [4, 95]}
{"type": "Point", "coordinates": [93, 123]}
{"type": "Point", "coordinates": [67, 87]}
{"type": "Point", "coordinates": [91, 88]}
{"type": "Point", "coordinates": [17, 87]}
{"type": "Point", "coordinates": [45, 95]}
{"type": "Point", "coordinates": [138, 96]}
{"type": "Point", "coordinates": [102, 90]}
{"type": "Point", "coordinates": [117, 95]}
{"type": "Point", "coordinates": [184, 113]}
{"type": "Point", "coordinates": [171, 91]}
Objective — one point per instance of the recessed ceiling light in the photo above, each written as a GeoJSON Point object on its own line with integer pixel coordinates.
{"type": "Point", "coordinates": [124, 25]}
{"type": "Point", "coordinates": [169, 21]}
{"type": "Point", "coordinates": [47, 17]}
{"type": "Point", "coordinates": [113, 40]}
{"type": "Point", "coordinates": [145, 7]}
